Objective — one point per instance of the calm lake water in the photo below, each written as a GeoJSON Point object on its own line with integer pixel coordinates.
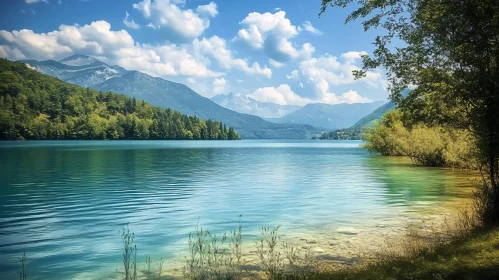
{"type": "Point", "coordinates": [64, 202]}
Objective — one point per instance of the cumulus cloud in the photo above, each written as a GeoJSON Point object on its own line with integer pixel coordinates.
{"type": "Point", "coordinates": [114, 47]}
{"type": "Point", "coordinates": [210, 9]}
{"type": "Point", "coordinates": [327, 71]}
{"type": "Point", "coordinates": [272, 32]}
{"type": "Point", "coordinates": [176, 23]}
{"type": "Point", "coordinates": [307, 26]}
{"type": "Point", "coordinates": [219, 85]}
{"type": "Point", "coordinates": [282, 95]}
{"type": "Point", "coordinates": [130, 23]}
{"type": "Point", "coordinates": [216, 48]}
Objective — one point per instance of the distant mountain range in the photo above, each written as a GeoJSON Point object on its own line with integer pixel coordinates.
{"type": "Point", "coordinates": [329, 116]}
{"type": "Point", "coordinates": [90, 72]}
{"type": "Point", "coordinates": [247, 105]}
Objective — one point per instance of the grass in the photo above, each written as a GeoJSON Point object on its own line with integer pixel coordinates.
{"type": "Point", "coordinates": [474, 257]}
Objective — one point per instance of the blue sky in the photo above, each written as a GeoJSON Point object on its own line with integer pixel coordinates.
{"type": "Point", "coordinates": [277, 51]}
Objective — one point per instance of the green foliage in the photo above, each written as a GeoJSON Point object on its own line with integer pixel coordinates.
{"type": "Point", "coordinates": [214, 258]}
{"type": "Point", "coordinates": [342, 134]}
{"type": "Point", "coordinates": [129, 254]}
{"type": "Point", "coordinates": [425, 145]}
{"type": "Point", "coordinates": [35, 106]}
{"type": "Point", "coordinates": [450, 54]}
{"type": "Point", "coordinates": [355, 132]}
{"type": "Point", "coordinates": [376, 115]}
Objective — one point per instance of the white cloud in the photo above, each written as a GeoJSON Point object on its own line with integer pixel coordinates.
{"type": "Point", "coordinates": [328, 70]}
{"type": "Point", "coordinates": [307, 26]}
{"type": "Point", "coordinates": [271, 32]}
{"type": "Point", "coordinates": [282, 95]}
{"type": "Point", "coordinates": [114, 47]}
{"type": "Point", "coordinates": [294, 75]}
{"type": "Point", "coordinates": [130, 23]}
{"type": "Point", "coordinates": [177, 24]}
{"type": "Point", "coordinates": [347, 97]}
{"type": "Point", "coordinates": [219, 85]}
{"type": "Point", "coordinates": [275, 64]}
{"type": "Point", "coordinates": [36, 1]}
{"type": "Point", "coordinates": [152, 26]}
{"type": "Point", "coordinates": [210, 9]}
{"type": "Point", "coordinates": [216, 48]}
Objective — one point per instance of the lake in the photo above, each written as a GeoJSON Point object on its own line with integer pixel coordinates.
{"type": "Point", "coordinates": [64, 202]}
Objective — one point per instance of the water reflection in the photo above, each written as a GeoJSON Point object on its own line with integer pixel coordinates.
{"type": "Point", "coordinates": [64, 202]}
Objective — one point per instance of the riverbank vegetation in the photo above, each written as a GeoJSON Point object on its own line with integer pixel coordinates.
{"type": "Point", "coordinates": [425, 145]}
{"type": "Point", "coordinates": [36, 106]}
{"type": "Point", "coordinates": [448, 53]}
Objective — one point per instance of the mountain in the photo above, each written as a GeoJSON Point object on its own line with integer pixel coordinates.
{"type": "Point", "coordinates": [77, 69]}
{"type": "Point", "coordinates": [374, 116]}
{"type": "Point", "coordinates": [53, 109]}
{"type": "Point", "coordinates": [90, 72]}
{"type": "Point", "coordinates": [247, 105]}
{"type": "Point", "coordinates": [329, 116]}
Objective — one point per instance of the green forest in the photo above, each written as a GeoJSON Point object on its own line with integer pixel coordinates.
{"type": "Point", "coordinates": [36, 106]}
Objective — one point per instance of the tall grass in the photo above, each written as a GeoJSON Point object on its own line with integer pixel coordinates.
{"type": "Point", "coordinates": [211, 257]}
{"type": "Point", "coordinates": [129, 254]}
{"type": "Point", "coordinates": [22, 267]}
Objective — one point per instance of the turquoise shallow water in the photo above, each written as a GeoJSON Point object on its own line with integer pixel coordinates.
{"type": "Point", "coordinates": [64, 202]}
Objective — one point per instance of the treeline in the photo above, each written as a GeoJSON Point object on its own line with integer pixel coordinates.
{"type": "Point", "coordinates": [36, 106]}
{"type": "Point", "coordinates": [425, 144]}
{"type": "Point", "coordinates": [341, 134]}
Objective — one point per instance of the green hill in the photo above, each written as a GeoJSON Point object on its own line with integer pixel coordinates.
{"type": "Point", "coordinates": [90, 72]}
{"type": "Point", "coordinates": [374, 116]}
{"type": "Point", "coordinates": [37, 106]}
{"type": "Point", "coordinates": [354, 132]}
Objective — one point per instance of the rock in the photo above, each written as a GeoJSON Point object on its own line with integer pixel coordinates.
{"type": "Point", "coordinates": [318, 250]}
{"type": "Point", "coordinates": [347, 230]}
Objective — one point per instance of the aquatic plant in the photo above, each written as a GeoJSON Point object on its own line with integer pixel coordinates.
{"type": "Point", "coordinates": [214, 258]}
{"type": "Point", "coordinates": [22, 268]}
{"type": "Point", "coordinates": [148, 267]}
{"type": "Point", "coordinates": [268, 252]}
{"type": "Point", "coordinates": [129, 254]}
{"type": "Point", "coordinates": [160, 267]}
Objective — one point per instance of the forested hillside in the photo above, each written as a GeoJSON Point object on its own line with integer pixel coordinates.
{"type": "Point", "coordinates": [36, 106]}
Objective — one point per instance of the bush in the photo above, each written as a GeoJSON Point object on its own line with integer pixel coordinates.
{"type": "Point", "coordinates": [425, 145]}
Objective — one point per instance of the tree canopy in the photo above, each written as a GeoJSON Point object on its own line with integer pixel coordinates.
{"type": "Point", "coordinates": [36, 106]}
{"type": "Point", "coordinates": [448, 51]}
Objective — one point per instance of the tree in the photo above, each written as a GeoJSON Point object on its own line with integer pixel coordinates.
{"type": "Point", "coordinates": [36, 106]}
{"type": "Point", "coordinates": [448, 50]}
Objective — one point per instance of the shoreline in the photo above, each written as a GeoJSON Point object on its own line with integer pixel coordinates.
{"type": "Point", "coordinates": [336, 247]}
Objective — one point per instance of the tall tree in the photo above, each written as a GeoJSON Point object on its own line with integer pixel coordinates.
{"type": "Point", "coordinates": [448, 51]}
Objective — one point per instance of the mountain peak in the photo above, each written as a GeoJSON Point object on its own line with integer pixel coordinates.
{"type": "Point", "coordinates": [80, 60]}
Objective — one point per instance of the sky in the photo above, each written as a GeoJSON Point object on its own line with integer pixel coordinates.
{"type": "Point", "coordinates": [277, 51]}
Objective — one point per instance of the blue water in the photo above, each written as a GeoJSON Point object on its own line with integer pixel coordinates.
{"type": "Point", "coordinates": [64, 202]}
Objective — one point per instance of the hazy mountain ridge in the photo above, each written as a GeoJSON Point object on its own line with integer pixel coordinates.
{"type": "Point", "coordinates": [247, 105]}
{"type": "Point", "coordinates": [329, 116]}
{"type": "Point", "coordinates": [376, 115]}
{"type": "Point", "coordinates": [90, 72]}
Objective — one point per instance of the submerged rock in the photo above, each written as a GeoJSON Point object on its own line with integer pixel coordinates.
{"type": "Point", "coordinates": [347, 230]}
